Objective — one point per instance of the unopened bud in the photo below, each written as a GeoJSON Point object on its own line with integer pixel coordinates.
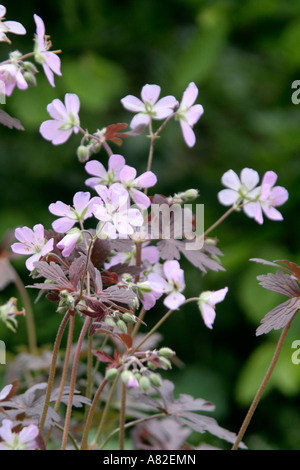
{"type": "Point", "coordinates": [128, 318]}
{"type": "Point", "coordinates": [30, 78]}
{"type": "Point", "coordinates": [126, 375]}
{"type": "Point", "coordinates": [83, 153]}
{"type": "Point", "coordinates": [144, 286]}
{"type": "Point", "coordinates": [166, 364]}
{"type": "Point", "coordinates": [95, 148]}
{"type": "Point", "coordinates": [29, 67]}
{"type": "Point", "coordinates": [155, 380]}
{"type": "Point", "coordinates": [111, 374]}
{"type": "Point", "coordinates": [166, 352]}
{"type": "Point", "coordinates": [109, 321]}
{"type": "Point", "coordinates": [144, 383]}
{"type": "Point", "coordinates": [122, 325]}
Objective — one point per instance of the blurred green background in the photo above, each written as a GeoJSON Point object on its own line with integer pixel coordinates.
{"type": "Point", "coordinates": [244, 57]}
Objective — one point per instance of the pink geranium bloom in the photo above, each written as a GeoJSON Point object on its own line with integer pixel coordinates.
{"type": "Point", "coordinates": [269, 198]}
{"type": "Point", "coordinates": [32, 242]}
{"type": "Point", "coordinates": [101, 175]}
{"type": "Point", "coordinates": [49, 60]}
{"type": "Point", "coordinates": [65, 119]}
{"type": "Point", "coordinates": [68, 216]}
{"type": "Point", "coordinates": [149, 108]}
{"type": "Point", "coordinates": [115, 213]}
{"type": "Point", "coordinates": [172, 284]}
{"type": "Point", "coordinates": [133, 184]}
{"type": "Point", "coordinates": [12, 76]}
{"type": "Point", "coordinates": [9, 26]}
{"type": "Point", "coordinates": [188, 113]}
{"type": "Point", "coordinates": [26, 439]}
{"type": "Point", "coordinates": [68, 243]}
{"type": "Point", "coordinates": [207, 302]}
{"type": "Point", "coordinates": [240, 190]}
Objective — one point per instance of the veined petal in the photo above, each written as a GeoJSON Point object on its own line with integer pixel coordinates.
{"type": "Point", "coordinates": [272, 213]}
{"type": "Point", "coordinates": [24, 234]}
{"type": "Point", "coordinates": [217, 296]}
{"type": "Point", "coordinates": [194, 114]}
{"type": "Point", "coordinates": [22, 249]}
{"type": "Point", "coordinates": [15, 27]}
{"type": "Point", "coordinates": [189, 96]}
{"type": "Point", "coordinates": [30, 261]}
{"type": "Point", "coordinates": [100, 212]}
{"type": "Point", "coordinates": [131, 103]}
{"type": "Point", "coordinates": [134, 217]}
{"type": "Point", "coordinates": [151, 254]}
{"type": "Point", "coordinates": [279, 195]}
{"type": "Point", "coordinates": [140, 119]}
{"type": "Point", "coordinates": [57, 110]}
{"type": "Point", "coordinates": [63, 224]}
{"type": "Point", "coordinates": [150, 93]}
{"type": "Point", "coordinates": [81, 201]}
{"type": "Point", "coordinates": [188, 133]}
{"type": "Point", "coordinates": [53, 61]}
{"type": "Point", "coordinates": [94, 167]}
{"type": "Point", "coordinates": [174, 300]}
{"type": "Point", "coordinates": [231, 180]}
{"type": "Point", "coordinates": [208, 314]}
{"type": "Point", "coordinates": [115, 163]}
{"type": "Point", "coordinates": [161, 113]}
{"type": "Point", "coordinates": [228, 197]}
{"type": "Point", "coordinates": [72, 103]}
{"type": "Point", "coordinates": [158, 283]}
{"type": "Point", "coordinates": [166, 102]}
{"type": "Point", "coordinates": [48, 247]}
{"type": "Point", "coordinates": [49, 74]}
{"type": "Point", "coordinates": [139, 198]}
{"type": "Point", "coordinates": [269, 178]}
{"type": "Point", "coordinates": [61, 209]}
{"type": "Point", "coordinates": [128, 173]}
{"type": "Point", "coordinates": [249, 178]}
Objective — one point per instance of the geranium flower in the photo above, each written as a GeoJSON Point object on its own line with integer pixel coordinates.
{"type": "Point", "coordinates": [26, 439]}
{"type": "Point", "coordinates": [68, 243]}
{"type": "Point", "coordinates": [101, 175]}
{"type": "Point", "coordinates": [12, 76]}
{"type": "Point", "coordinates": [49, 60]}
{"type": "Point", "coordinates": [207, 301]}
{"type": "Point", "coordinates": [149, 108]}
{"type": "Point", "coordinates": [115, 212]}
{"type": "Point", "coordinates": [188, 113]}
{"type": "Point", "coordinates": [9, 26]}
{"type": "Point", "coordinates": [172, 284]}
{"type": "Point", "coordinates": [32, 242]}
{"type": "Point", "coordinates": [81, 210]}
{"type": "Point", "coordinates": [65, 119]}
{"type": "Point", "coordinates": [241, 189]}
{"type": "Point", "coordinates": [269, 198]}
{"type": "Point", "coordinates": [133, 184]}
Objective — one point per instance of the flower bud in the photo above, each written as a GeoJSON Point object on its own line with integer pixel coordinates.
{"type": "Point", "coordinates": [144, 383]}
{"type": "Point", "coordinates": [166, 364]}
{"type": "Point", "coordinates": [111, 374]}
{"type": "Point", "coordinates": [122, 325]}
{"type": "Point", "coordinates": [128, 318]}
{"type": "Point", "coordinates": [83, 153]}
{"type": "Point", "coordinates": [29, 67]}
{"type": "Point", "coordinates": [144, 286]}
{"type": "Point", "coordinates": [109, 321]}
{"type": "Point", "coordinates": [151, 366]}
{"type": "Point", "coordinates": [166, 352]}
{"type": "Point", "coordinates": [155, 380]}
{"type": "Point", "coordinates": [126, 375]}
{"type": "Point", "coordinates": [30, 78]}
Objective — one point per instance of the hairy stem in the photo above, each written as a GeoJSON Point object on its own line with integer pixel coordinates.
{"type": "Point", "coordinates": [72, 383]}
{"type": "Point", "coordinates": [52, 368]}
{"type": "Point", "coordinates": [262, 386]}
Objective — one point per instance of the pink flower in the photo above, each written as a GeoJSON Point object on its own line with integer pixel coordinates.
{"type": "Point", "coordinates": [115, 212]}
{"type": "Point", "coordinates": [133, 184]}
{"type": "Point", "coordinates": [269, 198]}
{"type": "Point", "coordinates": [68, 243]}
{"type": "Point", "coordinates": [149, 108]}
{"type": "Point", "coordinates": [188, 113]}
{"type": "Point", "coordinates": [207, 302]}
{"type": "Point", "coordinates": [65, 119]}
{"type": "Point", "coordinates": [12, 76]}
{"type": "Point", "coordinates": [101, 175]}
{"type": "Point", "coordinates": [240, 190]}
{"type": "Point", "coordinates": [68, 216]}
{"type": "Point", "coordinates": [9, 26]}
{"type": "Point", "coordinates": [172, 284]}
{"type": "Point", "coordinates": [5, 391]}
{"type": "Point", "coordinates": [49, 60]}
{"type": "Point", "coordinates": [32, 242]}
{"type": "Point", "coordinates": [26, 439]}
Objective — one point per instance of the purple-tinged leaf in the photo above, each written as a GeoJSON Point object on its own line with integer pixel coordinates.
{"type": "Point", "coordinates": [281, 283]}
{"type": "Point", "coordinates": [10, 121]}
{"type": "Point", "coordinates": [279, 317]}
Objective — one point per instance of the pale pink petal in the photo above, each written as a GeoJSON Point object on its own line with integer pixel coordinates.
{"type": "Point", "coordinates": [217, 296]}
{"type": "Point", "coordinates": [140, 198]}
{"type": "Point", "coordinates": [68, 243]}
{"type": "Point", "coordinates": [134, 217]}
{"type": "Point", "coordinates": [24, 234]}
{"type": "Point", "coordinates": [128, 173]}
{"type": "Point", "coordinates": [80, 201]}
{"type": "Point", "coordinates": [5, 391]}
{"type": "Point", "coordinates": [231, 180]}
{"type": "Point", "coordinates": [208, 314]}
{"type": "Point", "coordinates": [194, 113]}
{"type": "Point", "coordinates": [30, 261]}
{"type": "Point", "coordinates": [94, 167]}
{"type": "Point", "coordinates": [38, 230]}
{"type": "Point", "coordinates": [101, 213]}
{"type": "Point", "coordinates": [63, 224]}
{"type": "Point", "coordinates": [269, 178]}
{"type": "Point", "coordinates": [57, 110]}
{"type": "Point", "coordinates": [174, 300]}
{"type": "Point", "coordinates": [161, 113]}
{"type": "Point", "coordinates": [133, 104]}
{"type": "Point", "coordinates": [172, 270]}
{"type": "Point", "coordinates": [2, 11]}
{"type": "Point", "coordinates": [146, 180]}
{"type": "Point", "coordinates": [272, 213]}
{"type": "Point", "coordinates": [40, 31]}
{"type": "Point", "coordinates": [151, 254]}
{"type": "Point", "coordinates": [28, 434]}
{"type": "Point", "coordinates": [189, 96]}
{"type": "Point", "coordinates": [49, 74]}
{"type": "Point", "coordinates": [140, 119]}
{"type": "Point", "coordinates": [22, 249]}
{"type": "Point", "coordinates": [50, 130]}
{"type": "Point", "coordinates": [115, 163]}
{"type": "Point", "coordinates": [53, 61]}
{"type": "Point", "coordinates": [15, 27]}
{"type": "Point", "coordinates": [72, 104]}
{"type": "Point", "coordinates": [109, 230]}
{"type": "Point", "coordinates": [150, 93]}
{"type": "Point", "coordinates": [250, 209]}
{"type": "Point", "coordinates": [158, 283]}
{"type": "Point", "coordinates": [61, 209]}
{"type": "Point", "coordinates": [228, 197]}
{"type": "Point", "coordinates": [279, 195]}
{"type": "Point", "coordinates": [48, 247]}
{"type": "Point", "coordinates": [188, 133]}
{"type": "Point", "coordinates": [249, 178]}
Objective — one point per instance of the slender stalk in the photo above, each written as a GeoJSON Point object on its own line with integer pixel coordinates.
{"type": "Point", "coordinates": [130, 424]}
{"type": "Point", "coordinates": [91, 414]}
{"type": "Point", "coordinates": [158, 324]}
{"type": "Point", "coordinates": [122, 416]}
{"type": "Point", "coordinates": [72, 383]}
{"type": "Point", "coordinates": [138, 323]}
{"type": "Point", "coordinates": [52, 368]}
{"type": "Point", "coordinates": [221, 219]}
{"type": "Point", "coordinates": [105, 411]}
{"type": "Point", "coordinates": [89, 369]}
{"type": "Point", "coordinates": [65, 371]}
{"type": "Point", "coordinates": [32, 343]}
{"type": "Point", "coordinates": [150, 156]}
{"type": "Point", "coordinates": [262, 386]}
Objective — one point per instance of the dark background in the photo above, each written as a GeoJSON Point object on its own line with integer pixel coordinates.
{"type": "Point", "coordinates": [244, 57]}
